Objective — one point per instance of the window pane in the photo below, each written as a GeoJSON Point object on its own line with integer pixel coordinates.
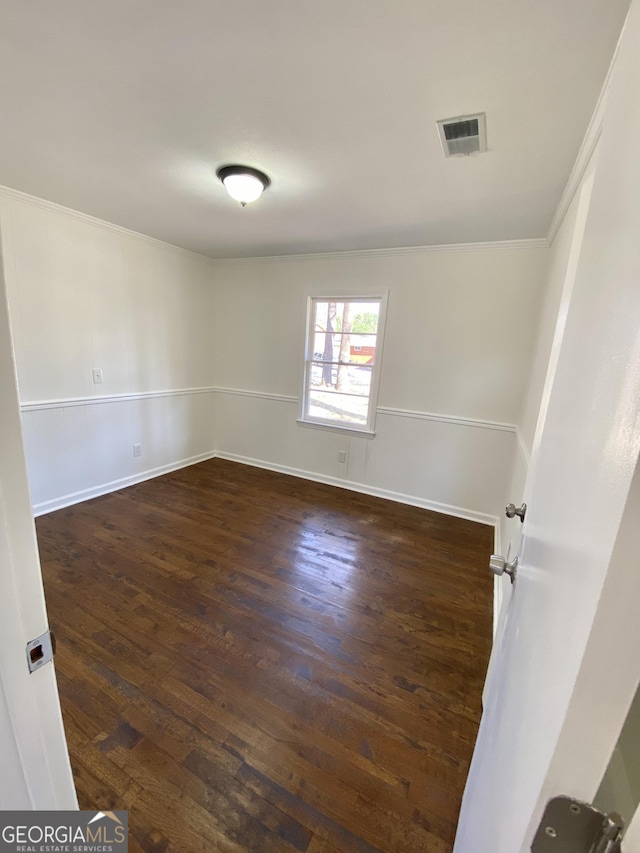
{"type": "Point", "coordinates": [364, 317]}
{"type": "Point", "coordinates": [329, 316]}
{"type": "Point", "coordinates": [325, 316]}
{"type": "Point", "coordinates": [322, 374]}
{"type": "Point", "coordinates": [341, 378]}
{"type": "Point", "coordinates": [326, 347]}
{"type": "Point", "coordinates": [343, 408]}
{"type": "Point", "coordinates": [362, 349]}
{"type": "Point", "coordinates": [359, 349]}
{"type": "Point", "coordinates": [353, 379]}
{"type": "Point", "coordinates": [342, 354]}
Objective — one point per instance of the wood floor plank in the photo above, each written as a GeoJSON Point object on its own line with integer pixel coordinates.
{"type": "Point", "coordinates": [248, 661]}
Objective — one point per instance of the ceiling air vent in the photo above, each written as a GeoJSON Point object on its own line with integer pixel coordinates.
{"type": "Point", "coordinates": [463, 135]}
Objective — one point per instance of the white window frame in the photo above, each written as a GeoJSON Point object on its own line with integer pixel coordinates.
{"type": "Point", "coordinates": [368, 430]}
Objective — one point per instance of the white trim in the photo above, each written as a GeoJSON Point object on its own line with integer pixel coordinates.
{"type": "Point", "coordinates": [447, 419]}
{"type": "Point", "coordinates": [309, 359]}
{"type": "Point", "coordinates": [380, 410]}
{"type": "Point", "coordinates": [18, 195]}
{"type": "Point", "coordinates": [260, 395]}
{"type": "Point", "coordinates": [529, 243]}
{"type": "Point", "coordinates": [68, 402]}
{"type": "Point", "coordinates": [332, 427]}
{"type": "Point", "coordinates": [115, 485]}
{"type": "Point", "coordinates": [362, 488]}
{"type": "Point", "coordinates": [587, 148]}
{"type": "Point", "coordinates": [497, 535]}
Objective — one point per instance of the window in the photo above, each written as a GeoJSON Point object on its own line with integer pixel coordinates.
{"type": "Point", "coordinates": [342, 364]}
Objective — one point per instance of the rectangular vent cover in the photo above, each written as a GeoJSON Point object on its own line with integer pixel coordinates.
{"type": "Point", "coordinates": [463, 135]}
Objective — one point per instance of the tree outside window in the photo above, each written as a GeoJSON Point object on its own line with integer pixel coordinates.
{"type": "Point", "coordinates": [342, 361]}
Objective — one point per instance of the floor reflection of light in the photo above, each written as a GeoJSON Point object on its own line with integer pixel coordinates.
{"type": "Point", "coordinates": [326, 552]}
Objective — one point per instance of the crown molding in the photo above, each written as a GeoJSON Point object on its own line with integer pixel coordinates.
{"type": "Point", "coordinates": [496, 245]}
{"type": "Point", "coordinates": [529, 243]}
{"type": "Point", "coordinates": [18, 195]}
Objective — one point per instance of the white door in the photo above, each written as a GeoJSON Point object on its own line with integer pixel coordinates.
{"type": "Point", "coordinates": [567, 664]}
{"type": "Point", "coordinates": [35, 764]}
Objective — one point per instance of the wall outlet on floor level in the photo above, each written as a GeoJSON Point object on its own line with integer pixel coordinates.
{"type": "Point", "coordinates": [137, 450]}
{"type": "Point", "coordinates": [97, 376]}
{"type": "Point", "coordinates": [342, 456]}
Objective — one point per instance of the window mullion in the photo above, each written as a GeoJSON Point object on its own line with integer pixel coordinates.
{"type": "Point", "coordinates": [325, 404]}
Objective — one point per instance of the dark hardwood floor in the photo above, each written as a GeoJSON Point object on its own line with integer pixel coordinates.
{"type": "Point", "coordinates": [252, 662]}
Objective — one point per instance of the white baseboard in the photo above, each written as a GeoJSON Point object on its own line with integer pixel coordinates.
{"type": "Point", "coordinates": [362, 488]}
{"type": "Point", "coordinates": [114, 485]}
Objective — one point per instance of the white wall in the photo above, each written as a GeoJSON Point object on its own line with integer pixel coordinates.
{"type": "Point", "coordinates": [201, 357]}
{"type": "Point", "coordinates": [459, 337]}
{"type": "Point", "coordinates": [83, 295]}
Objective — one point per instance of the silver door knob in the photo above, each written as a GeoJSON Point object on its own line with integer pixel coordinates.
{"type": "Point", "coordinates": [512, 510]}
{"type": "Point", "coordinates": [499, 566]}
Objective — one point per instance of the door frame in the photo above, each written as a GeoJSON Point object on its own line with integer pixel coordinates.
{"type": "Point", "coordinates": [32, 732]}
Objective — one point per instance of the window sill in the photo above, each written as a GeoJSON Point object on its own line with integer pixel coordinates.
{"type": "Point", "coordinates": [363, 433]}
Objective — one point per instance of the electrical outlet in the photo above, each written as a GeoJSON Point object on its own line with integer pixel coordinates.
{"type": "Point", "coordinates": [97, 376]}
{"type": "Point", "coordinates": [137, 450]}
{"type": "Point", "coordinates": [342, 456]}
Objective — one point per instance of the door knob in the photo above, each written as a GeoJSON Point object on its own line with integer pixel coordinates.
{"type": "Point", "coordinates": [498, 565]}
{"type": "Point", "coordinates": [512, 510]}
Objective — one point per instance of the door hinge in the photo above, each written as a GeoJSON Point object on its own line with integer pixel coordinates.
{"type": "Point", "coordinates": [41, 650]}
{"type": "Point", "coordinates": [569, 826]}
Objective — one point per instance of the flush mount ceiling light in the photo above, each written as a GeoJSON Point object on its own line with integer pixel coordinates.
{"type": "Point", "coordinates": [243, 183]}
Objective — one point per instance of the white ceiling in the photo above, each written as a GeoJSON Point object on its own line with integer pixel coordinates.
{"type": "Point", "coordinates": [124, 109]}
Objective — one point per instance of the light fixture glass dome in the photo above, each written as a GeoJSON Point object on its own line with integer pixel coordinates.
{"type": "Point", "coordinates": [244, 188]}
{"type": "Point", "coordinates": [243, 183]}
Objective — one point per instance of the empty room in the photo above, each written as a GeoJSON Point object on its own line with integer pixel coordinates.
{"type": "Point", "coordinates": [319, 481]}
